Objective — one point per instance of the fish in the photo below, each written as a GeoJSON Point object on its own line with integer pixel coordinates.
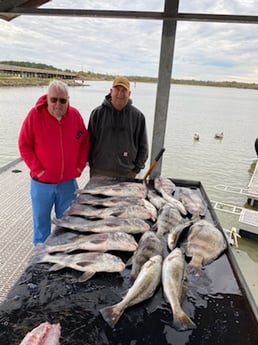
{"type": "Point", "coordinates": [44, 334]}
{"type": "Point", "coordinates": [167, 195]}
{"type": "Point", "coordinates": [142, 289]}
{"type": "Point", "coordinates": [107, 212]}
{"type": "Point", "coordinates": [204, 244]}
{"type": "Point", "coordinates": [148, 246]}
{"type": "Point", "coordinates": [168, 218]}
{"type": "Point", "coordinates": [156, 200]}
{"type": "Point", "coordinates": [122, 189]}
{"type": "Point", "coordinates": [173, 277]}
{"type": "Point", "coordinates": [101, 242]}
{"type": "Point", "coordinates": [176, 203]}
{"type": "Point", "coordinates": [94, 200]}
{"type": "Point", "coordinates": [128, 225]}
{"type": "Point", "coordinates": [89, 262]}
{"type": "Point", "coordinates": [175, 233]}
{"type": "Point", "coordinates": [192, 202]}
{"type": "Point", "coordinates": [151, 208]}
{"type": "Point", "coordinates": [164, 184]}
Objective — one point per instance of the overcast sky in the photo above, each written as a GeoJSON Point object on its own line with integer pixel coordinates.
{"type": "Point", "coordinates": [203, 51]}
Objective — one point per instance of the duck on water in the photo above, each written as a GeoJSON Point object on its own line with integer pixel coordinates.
{"type": "Point", "coordinates": [219, 135]}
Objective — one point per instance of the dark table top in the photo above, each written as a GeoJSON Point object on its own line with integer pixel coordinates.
{"type": "Point", "coordinates": [214, 301]}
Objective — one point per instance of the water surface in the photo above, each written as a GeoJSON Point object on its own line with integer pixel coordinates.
{"type": "Point", "coordinates": [205, 110]}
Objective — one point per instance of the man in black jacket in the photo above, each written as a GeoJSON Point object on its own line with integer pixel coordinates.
{"type": "Point", "coordinates": [119, 145]}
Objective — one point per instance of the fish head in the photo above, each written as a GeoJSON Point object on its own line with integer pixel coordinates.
{"type": "Point", "coordinates": [176, 253]}
{"type": "Point", "coordinates": [156, 259]}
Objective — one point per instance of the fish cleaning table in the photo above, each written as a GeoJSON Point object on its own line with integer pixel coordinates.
{"type": "Point", "coordinates": [216, 301]}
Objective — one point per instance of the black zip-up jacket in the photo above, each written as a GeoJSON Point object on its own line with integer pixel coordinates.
{"type": "Point", "coordinates": [118, 139]}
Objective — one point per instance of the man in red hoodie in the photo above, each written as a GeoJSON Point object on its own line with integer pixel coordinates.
{"type": "Point", "coordinates": [54, 143]}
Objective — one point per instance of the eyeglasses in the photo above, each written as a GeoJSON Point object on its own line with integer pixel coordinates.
{"type": "Point", "coordinates": [61, 100]}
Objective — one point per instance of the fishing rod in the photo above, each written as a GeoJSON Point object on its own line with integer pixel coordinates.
{"type": "Point", "coordinates": [153, 164]}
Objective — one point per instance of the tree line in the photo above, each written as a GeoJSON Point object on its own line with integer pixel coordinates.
{"type": "Point", "coordinates": [100, 76]}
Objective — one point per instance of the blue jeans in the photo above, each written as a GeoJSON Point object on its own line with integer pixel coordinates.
{"type": "Point", "coordinates": [43, 197]}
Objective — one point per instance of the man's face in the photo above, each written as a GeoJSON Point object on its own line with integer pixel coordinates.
{"type": "Point", "coordinates": [57, 102]}
{"type": "Point", "coordinates": [119, 97]}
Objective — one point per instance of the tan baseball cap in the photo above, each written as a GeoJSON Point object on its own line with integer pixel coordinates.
{"type": "Point", "coordinates": [121, 81]}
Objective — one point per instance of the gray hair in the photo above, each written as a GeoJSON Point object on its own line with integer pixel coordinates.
{"type": "Point", "coordinates": [58, 84]}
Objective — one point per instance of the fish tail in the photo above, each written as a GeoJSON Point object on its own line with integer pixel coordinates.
{"type": "Point", "coordinates": [79, 191]}
{"type": "Point", "coordinates": [111, 314]}
{"type": "Point", "coordinates": [182, 322]}
{"type": "Point", "coordinates": [40, 253]}
{"type": "Point", "coordinates": [195, 217]}
{"type": "Point", "coordinates": [56, 221]}
{"type": "Point", "coordinates": [51, 249]}
{"type": "Point", "coordinates": [70, 211]}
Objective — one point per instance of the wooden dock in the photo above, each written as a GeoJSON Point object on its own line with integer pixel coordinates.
{"type": "Point", "coordinates": [252, 189]}
{"type": "Point", "coordinates": [16, 222]}
{"type": "Point", "coordinates": [248, 219]}
{"type": "Point", "coordinates": [248, 222]}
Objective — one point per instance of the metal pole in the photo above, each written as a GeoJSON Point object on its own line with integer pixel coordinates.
{"type": "Point", "coordinates": [164, 81]}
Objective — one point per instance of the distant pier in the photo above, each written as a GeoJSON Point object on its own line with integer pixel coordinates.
{"type": "Point", "coordinates": [27, 72]}
{"type": "Point", "coordinates": [252, 189]}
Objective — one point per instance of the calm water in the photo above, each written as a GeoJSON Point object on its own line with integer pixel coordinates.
{"type": "Point", "coordinates": [205, 110]}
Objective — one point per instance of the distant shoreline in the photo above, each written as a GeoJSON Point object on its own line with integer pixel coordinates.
{"type": "Point", "coordinates": [23, 82]}
{"type": "Point", "coordinates": [17, 78]}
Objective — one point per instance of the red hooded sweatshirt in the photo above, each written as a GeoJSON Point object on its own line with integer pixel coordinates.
{"type": "Point", "coordinates": [59, 148]}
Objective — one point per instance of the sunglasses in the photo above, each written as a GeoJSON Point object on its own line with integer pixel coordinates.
{"type": "Point", "coordinates": [55, 99]}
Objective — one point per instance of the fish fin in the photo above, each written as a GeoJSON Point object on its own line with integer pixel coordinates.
{"type": "Point", "coordinates": [182, 322]}
{"type": "Point", "coordinates": [196, 262]}
{"type": "Point", "coordinates": [71, 211]}
{"type": "Point", "coordinates": [111, 315]}
{"type": "Point", "coordinates": [56, 221]}
{"type": "Point", "coordinates": [86, 276]}
{"type": "Point", "coordinates": [102, 237]}
{"type": "Point", "coordinates": [154, 227]}
{"type": "Point", "coordinates": [194, 271]}
{"type": "Point", "coordinates": [56, 267]}
{"type": "Point", "coordinates": [51, 249]}
{"type": "Point", "coordinates": [39, 254]}
{"type": "Point", "coordinates": [70, 250]}
{"type": "Point", "coordinates": [117, 213]}
{"type": "Point", "coordinates": [129, 262]}
{"type": "Point", "coordinates": [79, 191]}
{"type": "Point", "coordinates": [123, 294]}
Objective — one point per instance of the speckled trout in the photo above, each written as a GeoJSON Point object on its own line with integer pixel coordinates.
{"type": "Point", "coordinates": [173, 271]}
{"type": "Point", "coordinates": [143, 288]}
